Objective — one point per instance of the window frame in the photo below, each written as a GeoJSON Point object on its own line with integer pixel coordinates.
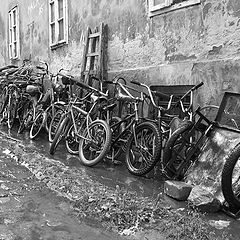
{"type": "Point", "coordinates": [153, 7]}
{"type": "Point", "coordinates": [11, 39]}
{"type": "Point", "coordinates": [56, 21]}
{"type": "Point", "coordinates": [168, 6]}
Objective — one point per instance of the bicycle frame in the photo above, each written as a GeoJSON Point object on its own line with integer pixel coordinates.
{"type": "Point", "coordinates": [131, 119]}
{"type": "Point", "coordinates": [134, 118]}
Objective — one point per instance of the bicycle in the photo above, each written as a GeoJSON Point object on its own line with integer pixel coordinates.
{"type": "Point", "coordinates": [139, 138]}
{"type": "Point", "coordinates": [184, 146]}
{"type": "Point", "coordinates": [177, 120]}
{"type": "Point", "coordinates": [16, 102]}
{"type": "Point", "coordinates": [47, 107]}
{"type": "Point", "coordinates": [94, 137]}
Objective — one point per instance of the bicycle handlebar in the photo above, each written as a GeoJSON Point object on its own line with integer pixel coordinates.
{"type": "Point", "coordinates": [197, 86]}
{"type": "Point", "coordinates": [8, 67]}
{"type": "Point", "coordinates": [169, 98]}
{"type": "Point", "coordinates": [150, 92]}
{"type": "Point", "coordinates": [82, 85]}
{"type": "Point", "coordinates": [191, 90]}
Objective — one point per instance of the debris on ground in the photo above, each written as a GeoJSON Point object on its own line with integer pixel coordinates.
{"type": "Point", "coordinates": [204, 200]}
{"type": "Point", "coordinates": [177, 189]}
{"type": "Point", "coordinates": [219, 224]}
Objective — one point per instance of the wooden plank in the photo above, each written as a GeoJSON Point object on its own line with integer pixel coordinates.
{"type": "Point", "coordinates": [100, 59]}
{"type": "Point", "coordinates": [84, 63]}
{"type": "Point", "coordinates": [93, 54]}
{"type": "Point", "coordinates": [94, 35]}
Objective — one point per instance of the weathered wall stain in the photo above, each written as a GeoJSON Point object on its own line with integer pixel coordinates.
{"type": "Point", "coordinates": [35, 6]}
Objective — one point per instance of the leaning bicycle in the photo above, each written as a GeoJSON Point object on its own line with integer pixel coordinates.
{"type": "Point", "coordinates": [133, 135]}
{"type": "Point", "coordinates": [92, 138]}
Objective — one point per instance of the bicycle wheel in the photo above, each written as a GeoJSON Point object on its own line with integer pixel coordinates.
{"type": "Point", "coordinates": [116, 129]}
{"type": "Point", "coordinates": [51, 111]}
{"type": "Point", "coordinates": [72, 139]}
{"type": "Point", "coordinates": [176, 160]}
{"type": "Point", "coordinates": [94, 143]}
{"type": "Point", "coordinates": [231, 178]}
{"type": "Point", "coordinates": [143, 154]}
{"type": "Point", "coordinates": [54, 124]}
{"type": "Point", "coordinates": [11, 111]}
{"type": "Point", "coordinates": [27, 117]}
{"type": "Point", "coordinates": [37, 125]}
{"type": "Point", "coordinates": [3, 100]}
{"type": "Point", "coordinates": [59, 134]}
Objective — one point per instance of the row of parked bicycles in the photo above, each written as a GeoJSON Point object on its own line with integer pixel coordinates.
{"type": "Point", "coordinates": [107, 120]}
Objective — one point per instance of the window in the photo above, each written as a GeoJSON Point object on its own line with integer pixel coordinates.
{"type": "Point", "coordinates": [58, 23]}
{"type": "Point", "coordinates": [13, 38]}
{"type": "Point", "coordinates": [162, 6]}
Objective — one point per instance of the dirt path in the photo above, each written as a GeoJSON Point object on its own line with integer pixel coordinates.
{"type": "Point", "coordinates": [30, 211]}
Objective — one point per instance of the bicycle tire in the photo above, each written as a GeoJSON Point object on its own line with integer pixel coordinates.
{"type": "Point", "coordinates": [11, 111]}
{"type": "Point", "coordinates": [27, 118]}
{"type": "Point", "coordinates": [3, 100]}
{"type": "Point", "coordinates": [54, 124]}
{"type": "Point", "coordinates": [148, 137]}
{"type": "Point", "coordinates": [51, 111]}
{"type": "Point", "coordinates": [102, 137]}
{"type": "Point", "coordinates": [231, 195]}
{"type": "Point", "coordinates": [175, 152]}
{"type": "Point", "coordinates": [58, 136]}
{"type": "Point", "coordinates": [49, 116]}
{"type": "Point", "coordinates": [72, 140]}
{"type": "Point", "coordinates": [117, 148]}
{"type": "Point", "coordinates": [37, 125]}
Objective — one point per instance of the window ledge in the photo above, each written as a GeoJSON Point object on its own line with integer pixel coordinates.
{"type": "Point", "coordinates": [174, 7]}
{"type": "Point", "coordinates": [58, 45]}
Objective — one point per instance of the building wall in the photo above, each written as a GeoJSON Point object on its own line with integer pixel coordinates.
{"type": "Point", "coordinates": [185, 46]}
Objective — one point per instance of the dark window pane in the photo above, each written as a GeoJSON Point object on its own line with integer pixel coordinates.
{"type": "Point", "coordinates": [60, 8]}
{"type": "Point", "coordinates": [61, 30]}
{"type": "Point", "coordinates": [10, 50]}
{"type": "Point", "coordinates": [10, 36]}
{"type": "Point", "coordinates": [53, 33]}
{"type": "Point", "coordinates": [14, 17]}
{"type": "Point", "coordinates": [15, 50]}
{"type": "Point", "coordinates": [52, 12]}
{"type": "Point", "coordinates": [14, 34]}
{"type": "Point", "coordinates": [10, 20]}
{"type": "Point", "coordinates": [156, 2]}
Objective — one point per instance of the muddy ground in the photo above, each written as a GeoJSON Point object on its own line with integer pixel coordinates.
{"type": "Point", "coordinates": [56, 200]}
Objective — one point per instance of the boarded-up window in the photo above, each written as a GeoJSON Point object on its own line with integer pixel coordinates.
{"type": "Point", "coordinates": [13, 38]}
{"type": "Point", "coordinates": [58, 22]}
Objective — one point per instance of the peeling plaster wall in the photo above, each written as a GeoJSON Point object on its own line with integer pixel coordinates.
{"type": "Point", "coordinates": [185, 46]}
